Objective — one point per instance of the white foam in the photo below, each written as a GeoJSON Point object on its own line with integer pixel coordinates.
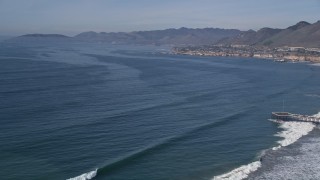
{"type": "Point", "coordinates": [317, 115]}
{"type": "Point", "coordinates": [292, 132]}
{"type": "Point", "coordinates": [85, 176]}
{"type": "Point", "coordinates": [239, 173]}
{"type": "Point", "coordinates": [302, 163]}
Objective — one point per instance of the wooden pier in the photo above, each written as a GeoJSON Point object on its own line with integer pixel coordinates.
{"type": "Point", "coordinates": [286, 116]}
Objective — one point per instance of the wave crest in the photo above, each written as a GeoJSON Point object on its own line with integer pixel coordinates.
{"type": "Point", "coordinates": [292, 132]}
{"type": "Point", "coordinates": [239, 173]}
{"type": "Point", "coordinates": [317, 115]}
{"type": "Point", "coordinates": [85, 176]}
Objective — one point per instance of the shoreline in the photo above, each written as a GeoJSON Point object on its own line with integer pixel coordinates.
{"type": "Point", "coordinates": [279, 54]}
{"type": "Point", "coordinates": [292, 133]}
{"type": "Point", "coordinates": [290, 157]}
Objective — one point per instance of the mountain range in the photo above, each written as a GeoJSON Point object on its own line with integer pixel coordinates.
{"type": "Point", "coordinates": [301, 34]}
{"type": "Point", "coordinates": [182, 36]}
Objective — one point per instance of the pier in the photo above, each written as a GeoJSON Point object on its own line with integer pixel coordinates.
{"type": "Point", "coordinates": [286, 116]}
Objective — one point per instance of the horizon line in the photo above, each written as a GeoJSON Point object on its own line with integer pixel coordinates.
{"type": "Point", "coordinates": [133, 31]}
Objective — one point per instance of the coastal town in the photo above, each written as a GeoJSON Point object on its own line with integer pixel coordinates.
{"type": "Point", "coordinates": [280, 54]}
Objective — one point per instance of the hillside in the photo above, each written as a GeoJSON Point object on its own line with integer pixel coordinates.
{"type": "Point", "coordinates": [301, 34]}
{"type": "Point", "coordinates": [307, 35]}
{"type": "Point", "coordinates": [250, 37]}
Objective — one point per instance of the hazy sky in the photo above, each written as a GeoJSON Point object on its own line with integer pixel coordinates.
{"type": "Point", "coordinates": [74, 16]}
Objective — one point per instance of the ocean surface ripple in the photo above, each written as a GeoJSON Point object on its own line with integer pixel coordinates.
{"type": "Point", "coordinates": [95, 111]}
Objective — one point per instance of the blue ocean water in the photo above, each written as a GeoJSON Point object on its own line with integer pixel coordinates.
{"type": "Point", "coordinates": [135, 112]}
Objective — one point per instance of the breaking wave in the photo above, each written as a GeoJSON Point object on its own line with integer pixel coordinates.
{"type": "Point", "coordinates": [292, 131]}
{"type": "Point", "coordinates": [85, 176]}
{"type": "Point", "coordinates": [239, 173]}
{"type": "Point", "coordinates": [317, 115]}
{"type": "Point", "coordinates": [151, 148]}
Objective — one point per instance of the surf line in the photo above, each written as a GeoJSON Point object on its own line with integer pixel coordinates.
{"type": "Point", "coordinates": [292, 131]}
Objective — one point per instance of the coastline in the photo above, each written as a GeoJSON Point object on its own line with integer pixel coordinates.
{"type": "Point", "coordinates": [293, 134]}
{"type": "Point", "coordinates": [279, 54]}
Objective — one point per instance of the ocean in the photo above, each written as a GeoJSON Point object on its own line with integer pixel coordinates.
{"type": "Point", "coordinates": [98, 111]}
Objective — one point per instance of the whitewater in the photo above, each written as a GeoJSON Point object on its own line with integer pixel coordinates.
{"type": "Point", "coordinates": [291, 133]}
{"type": "Point", "coordinates": [85, 176]}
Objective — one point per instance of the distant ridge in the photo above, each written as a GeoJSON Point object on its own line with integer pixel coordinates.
{"type": "Point", "coordinates": [299, 25]}
{"type": "Point", "coordinates": [45, 36]}
{"type": "Point", "coordinates": [250, 37]}
{"type": "Point", "coordinates": [181, 36]}
{"type": "Point", "coordinates": [301, 34]}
